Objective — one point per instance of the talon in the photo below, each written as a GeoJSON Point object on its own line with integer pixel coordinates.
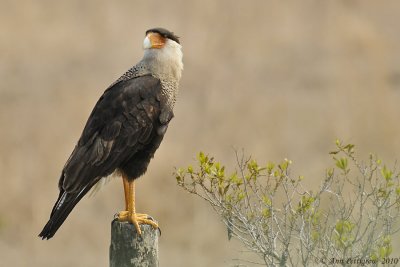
{"type": "Point", "coordinates": [136, 219]}
{"type": "Point", "coordinates": [122, 216]}
{"type": "Point", "coordinates": [145, 216]}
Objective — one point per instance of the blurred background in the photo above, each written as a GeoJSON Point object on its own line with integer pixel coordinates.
{"type": "Point", "coordinates": [279, 79]}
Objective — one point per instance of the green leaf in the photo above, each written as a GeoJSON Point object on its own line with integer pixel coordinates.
{"type": "Point", "coordinates": [315, 235]}
{"type": "Point", "coordinates": [270, 167]}
{"type": "Point", "coordinates": [305, 204]}
{"type": "Point", "coordinates": [190, 169]}
{"type": "Point", "coordinates": [398, 190]}
{"type": "Point", "coordinates": [180, 175]}
{"type": "Point", "coordinates": [387, 240]}
{"type": "Point", "coordinates": [349, 148]}
{"type": "Point", "coordinates": [217, 166]}
{"type": "Point", "coordinates": [338, 142]}
{"type": "Point", "coordinates": [240, 196]}
{"type": "Point", "coordinates": [266, 213]}
{"type": "Point", "coordinates": [201, 157]}
{"type": "Point", "coordinates": [284, 165]}
{"type": "Point", "coordinates": [226, 188]}
{"type": "Point", "coordinates": [344, 226]}
{"type": "Point", "coordinates": [386, 173]}
{"type": "Point", "coordinates": [266, 200]}
{"type": "Point", "coordinates": [341, 163]}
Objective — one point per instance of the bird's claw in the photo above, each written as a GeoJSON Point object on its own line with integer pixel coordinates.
{"type": "Point", "coordinates": [136, 219]}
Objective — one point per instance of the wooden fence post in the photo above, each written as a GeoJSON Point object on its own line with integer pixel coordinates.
{"type": "Point", "coordinates": [128, 249]}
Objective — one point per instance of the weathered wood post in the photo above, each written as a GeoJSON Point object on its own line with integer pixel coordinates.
{"type": "Point", "coordinates": [128, 249]}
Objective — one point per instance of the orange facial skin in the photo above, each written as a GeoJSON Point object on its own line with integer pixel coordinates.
{"type": "Point", "coordinates": [157, 41]}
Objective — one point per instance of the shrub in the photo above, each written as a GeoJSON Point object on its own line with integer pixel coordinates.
{"type": "Point", "coordinates": [350, 219]}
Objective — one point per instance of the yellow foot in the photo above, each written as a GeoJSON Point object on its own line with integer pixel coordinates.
{"type": "Point", "coordinates": [136, 219]}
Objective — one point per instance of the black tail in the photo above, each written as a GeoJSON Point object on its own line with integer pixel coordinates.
{"type": "Point", "coordinates": [63, 207]}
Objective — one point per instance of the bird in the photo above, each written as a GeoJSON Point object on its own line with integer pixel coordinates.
{"type": "Point", "coordinates": [124, 130]}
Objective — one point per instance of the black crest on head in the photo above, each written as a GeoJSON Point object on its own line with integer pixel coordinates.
{"type": "Point", "coordinates": [165, 33]}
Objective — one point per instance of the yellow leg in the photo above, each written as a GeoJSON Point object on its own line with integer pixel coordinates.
{"type": "Point", "coordinates": [130, 214]}
{"type": "Point", "coordinates": [126, 191]}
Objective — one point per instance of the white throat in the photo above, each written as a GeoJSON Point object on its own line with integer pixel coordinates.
{"type": "Point", "coordinates": [166, 62]}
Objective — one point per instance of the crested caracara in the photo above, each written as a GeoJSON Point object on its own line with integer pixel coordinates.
{"type": "Point", "coordinates": [124, 130]}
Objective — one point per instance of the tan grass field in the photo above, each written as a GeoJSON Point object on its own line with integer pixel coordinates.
{"type": "Point", "coordinates": [279, 79]}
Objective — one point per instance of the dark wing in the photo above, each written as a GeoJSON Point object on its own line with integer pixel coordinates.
{"type": "Point", "coordinates": [121, 122]}
{"type": "Point", "coordinates": [124, 119]}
